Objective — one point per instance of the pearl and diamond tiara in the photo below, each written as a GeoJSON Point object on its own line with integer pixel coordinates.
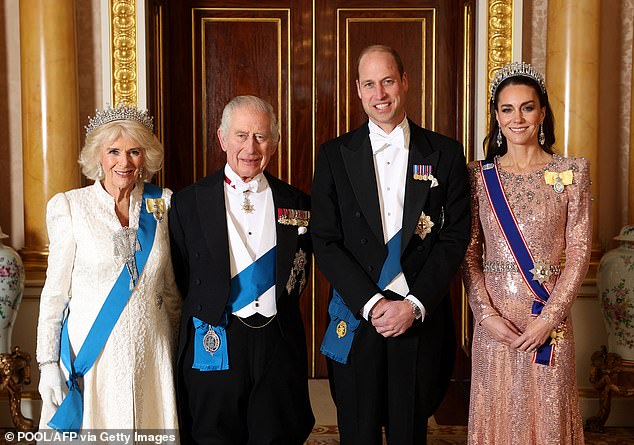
{"type": "Point", "coordinates": [515, 69]}
{"type": "Point", "coordinates": [118, 113]}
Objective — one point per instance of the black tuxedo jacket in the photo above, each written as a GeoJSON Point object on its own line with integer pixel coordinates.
{"type": "Point", "coordinates": [200, 255]}
{"type": "Point", "coordinates": [348, 236]}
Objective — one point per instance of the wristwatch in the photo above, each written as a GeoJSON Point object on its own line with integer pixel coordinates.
{"type": "Point", "coordinates": [415, 310]}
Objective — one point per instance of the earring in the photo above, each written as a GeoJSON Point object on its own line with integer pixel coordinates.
{"type": "Point", "coordinates": [141, 173]}
{"type": "Point", "coordinates": [498, 139]}
{"type": "Point", "coordinates": [542, 136]}
{"type": "Point", "coordinates": [99, 171]}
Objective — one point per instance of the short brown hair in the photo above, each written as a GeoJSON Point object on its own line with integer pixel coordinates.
{"type": "Point", "coordinates": [382, 49]}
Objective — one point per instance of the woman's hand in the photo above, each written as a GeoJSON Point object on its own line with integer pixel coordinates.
{"type": "Point", "coordinates": [533, 337]}
{"type": "Point", "coordinates": [51, 385]}
{"type": "Point", "coordinates": [500, 329]}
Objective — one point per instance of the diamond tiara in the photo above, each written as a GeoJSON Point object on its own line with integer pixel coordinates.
{"type": "Point", "coordinates": [119, 113]}
{"type": "Point", "coordinates": [514, 69]}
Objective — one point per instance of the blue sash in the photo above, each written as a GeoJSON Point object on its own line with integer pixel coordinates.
{"type": "Point", "coordinates": [69, 416]}
{"type": "Point", "coordinates": [245, 288]}
{"type": "Point", "coordinates": [343, 323]}
{"type": "Point", "coordinates": [519, 248]}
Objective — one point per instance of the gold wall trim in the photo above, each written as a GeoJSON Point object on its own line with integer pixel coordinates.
{"type": "Point", "coordinates": [467, 134]}
{"type": "Point", "coordinates": [123, 51]}
{"type": "Point", "coordinates": [159, 75]}
{"type": "Point", "coordinates": [499, 36]}
{"type": "Point", "coordinates": [194, 166]}
{"type": "Point", "coordinates": [467, 61]}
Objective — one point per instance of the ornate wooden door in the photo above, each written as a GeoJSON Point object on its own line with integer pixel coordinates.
{"type": "Point", "coordinates": [300, 55]}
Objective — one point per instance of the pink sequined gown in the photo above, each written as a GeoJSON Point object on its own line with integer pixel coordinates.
{"type": "Point", "coordinates": [514, 401]}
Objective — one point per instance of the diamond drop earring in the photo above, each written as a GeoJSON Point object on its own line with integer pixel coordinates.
{"type": "Point", "coordinates": [542, 136]}
{"type": "Point", "coordinates": [498, 139]}
{"type": "Point", "coordinates": [99, 171]}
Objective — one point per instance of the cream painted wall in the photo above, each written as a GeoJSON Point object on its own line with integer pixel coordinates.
{"type": "Point", "coordinates": [11, 197]}
{"type": "Point", "coordinates": [614, 125]}
{"type": "Point", "coordinates": [11, 214]}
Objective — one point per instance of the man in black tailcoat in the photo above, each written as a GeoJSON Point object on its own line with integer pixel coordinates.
{"type": "Point", "coordinates": [390, 225]}
{"type": "Point", "coordinates": [241, 251]}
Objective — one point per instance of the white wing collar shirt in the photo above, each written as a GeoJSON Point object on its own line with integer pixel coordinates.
{"type": "Point", "coordinates": [390, 153]}
{"type": "Point", "coordinates": [251, 226]}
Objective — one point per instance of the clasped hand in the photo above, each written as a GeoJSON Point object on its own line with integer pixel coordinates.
{"type": "Point", "coordinates": [506, 332]}
{"type": "Point", "coordinates": [391, 318]}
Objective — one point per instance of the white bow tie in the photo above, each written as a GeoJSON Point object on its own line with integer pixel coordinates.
{"type": "Point", "coordinates": [380, 140]}
{"type": "Point", "coordinates": [240, 186]}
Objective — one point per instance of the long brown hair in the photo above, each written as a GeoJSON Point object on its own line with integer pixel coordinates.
{"type": "Point", "coordinates": [490, 145]}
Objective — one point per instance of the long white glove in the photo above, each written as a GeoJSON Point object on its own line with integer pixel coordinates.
{"type": "Point", "coordinates": [52, 386]}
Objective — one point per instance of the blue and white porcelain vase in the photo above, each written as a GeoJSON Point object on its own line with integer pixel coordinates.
{"type": "Point", "coordinates": [11, 291]}
{"type": "Point", "coordinates": [615, 280]}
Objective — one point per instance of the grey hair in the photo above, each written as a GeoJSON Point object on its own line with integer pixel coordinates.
{"type": "Point", "coordinates": [100, 138]}
{"type": "Point", "coordinates": [248, 101]}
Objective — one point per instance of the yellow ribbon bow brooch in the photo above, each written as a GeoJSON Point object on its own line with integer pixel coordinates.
{"type": "Point", "coordinates": [558, 179]}
{"type": "Point", "coordinates": [156, 206]}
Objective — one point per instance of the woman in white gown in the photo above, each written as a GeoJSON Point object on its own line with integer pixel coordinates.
{"type": "Point", "coordinates": [100, 237]}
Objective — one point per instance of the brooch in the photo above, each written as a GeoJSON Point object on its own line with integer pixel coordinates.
{"type": "Point", "coordinates": [298, 272]}
{"type": "Point", "coordinates": [156, 206]}
{"type": "Point", "coordinates": [541, 271]}
{"type": "Point", "coordinates": [342, 329]}
{"type": "Point", "coordinates": [423, 226]}
{"type": "Point", "coordinates": [424, 173]}
{"type": "Point", "coordinates": [247, 205]}
{"type": "Point", "coordinates": [293, 217]}
{"type": "Point", "coordinates": [211, 341]}
{"type": "Point", "coordinates": [556, 335]}
{"type": "Point", "coordinates": [558, 179]}
{"type": "Point", "coordinates": [126, 243]}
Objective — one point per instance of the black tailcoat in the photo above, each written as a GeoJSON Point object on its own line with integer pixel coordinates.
{"type": "Point", "coordinates": [350, 250]}
{"type": "Point", "coordinates": [200, 255]}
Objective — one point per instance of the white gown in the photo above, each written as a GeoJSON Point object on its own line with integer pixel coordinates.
{"type": "Point", "coordinates": [131, 384]}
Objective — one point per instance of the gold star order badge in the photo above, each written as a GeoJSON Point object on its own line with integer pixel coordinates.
{"type": "Point", "coordinates": [424, 225]}
{"type": "Point", "coordinates": [541, 271]}
{"type": "Point", "coordinates": [342, 329]}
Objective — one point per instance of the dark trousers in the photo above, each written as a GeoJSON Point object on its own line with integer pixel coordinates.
{"type": "Point", "coordinates": [261, 400]}
{"type": "Point", "coordinates": [380, 388]}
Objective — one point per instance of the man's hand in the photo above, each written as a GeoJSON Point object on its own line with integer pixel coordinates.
{"type": "Point", "coordinates": [392, 318]}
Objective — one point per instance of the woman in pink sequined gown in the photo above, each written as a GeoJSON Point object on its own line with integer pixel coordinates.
{"type": "Point", "coordinates": [513, 400]}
